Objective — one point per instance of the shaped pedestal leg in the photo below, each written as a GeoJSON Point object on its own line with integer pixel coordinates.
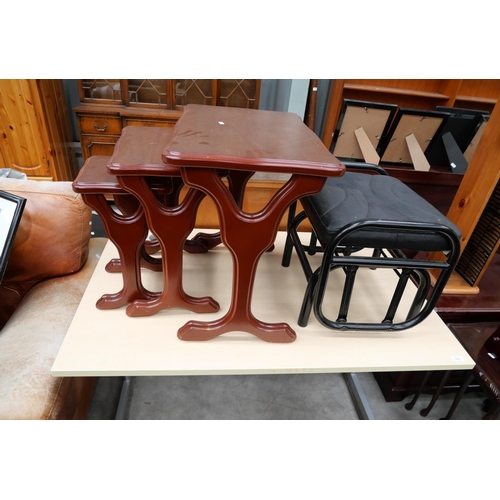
{"type": "Point", "coordinates": [203, 242]}
{"type": "Point", "coordinates": [260, 231]}
{"type": "Point", "coordinates": [128, 233]}
{"type": "Point", "coordinates": [147, 262]}
{"type": "Point", "coordinates": [171, 226]}
{"type": "Point", "coordinates": [128, 205]}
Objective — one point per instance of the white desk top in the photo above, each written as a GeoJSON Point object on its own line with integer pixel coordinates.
{"type": "Point", "coordinates": [109, 343]}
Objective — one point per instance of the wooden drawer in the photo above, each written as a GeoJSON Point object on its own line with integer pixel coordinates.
{"type": "Point", "coordinates": [100, 124]}
{"type": "Point", "coordinates": [97, 145]}
{"type": "Point", "coordinates": [139, 122]}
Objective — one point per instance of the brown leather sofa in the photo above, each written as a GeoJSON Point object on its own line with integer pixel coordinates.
{"type": "Point", "coordinates": [50, 264]}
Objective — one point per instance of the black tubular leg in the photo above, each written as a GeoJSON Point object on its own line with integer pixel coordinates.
{"type": "Point", "coordinates": [424, 282]}
{"type": "Point", "coordinates": [287, 252]}
{"type": "Point", "coordinates": [411, 404]}
{"type": "Point", "coordinates": [439, 388]}
{"type": "Point", "coordinates": [398, 294]}
{"type": "Point", "coordinates": [312, 243]}
{"type": "Point", "coordinates": [307, 301]}
{"type": "Point", "coordinates": [306, 267]}
{"type": "Point", "coordinates": [466, 382]}
{"type": "Point", "coordinates": [319, 289]}
{"type": "Point", "coordinates": [350, 277]}
{"type": "Point", "coordinates": [377, 253]}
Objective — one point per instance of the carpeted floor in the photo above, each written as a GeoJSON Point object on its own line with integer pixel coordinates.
{"type": "Point", "coordinates": [263, 397]}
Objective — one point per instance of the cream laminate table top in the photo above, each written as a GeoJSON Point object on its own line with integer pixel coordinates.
{"type": "Point", "coordinates": [109, 343]}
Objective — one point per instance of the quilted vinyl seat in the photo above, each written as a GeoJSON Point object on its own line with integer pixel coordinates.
{"type": "Point", "coordinates": [356, 197]}
{"type": "Point", "coordinates": [360, 211]}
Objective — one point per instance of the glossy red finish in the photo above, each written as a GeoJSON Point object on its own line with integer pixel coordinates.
{"type": "Point", "coordinates": [260, 229]}
{"type": "Point", "coordinates": [207, 143]}
{"type": "Point", "coordinates": [138, 151]}
{"type": "Point", "coordinates": [247, 140]}
{"type": "Point", "coordinates": [128, 232]}
{"type": "Point", "coordinates": [171, 226]}
{"type": "Point", "coordinates": [137, 164]}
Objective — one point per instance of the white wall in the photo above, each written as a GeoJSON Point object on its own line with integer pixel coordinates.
{"type": "Point", "coordinates": [298, 97]}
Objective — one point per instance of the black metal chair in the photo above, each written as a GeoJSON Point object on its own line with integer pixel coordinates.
{"type": "Point", "coordinates": [482, 342]}
{"type": "Point", "coordinates": [359, 211]}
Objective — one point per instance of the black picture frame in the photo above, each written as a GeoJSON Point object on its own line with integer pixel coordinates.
{"type": "Point", "coordinates": [424, 124]}
{"type": "Point", "coordinates": [462, 124]}
{"type": "Point", "coordinates": [482, 118]}
{"type": "Point", "coordinates": [471, 148]}
{"type": "Point", "coordinates": [464, 111]}
{"type": "Point", "coordinates": [11, 209]}
{"type": "Point", "coordinates": [378, 127]}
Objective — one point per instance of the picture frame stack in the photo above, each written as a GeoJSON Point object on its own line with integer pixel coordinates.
{"type": "Point", "coordinates": [374, 132]}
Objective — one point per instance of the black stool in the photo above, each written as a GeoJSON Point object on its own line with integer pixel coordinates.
{"type": "Point", "coordinates": [360, 211]}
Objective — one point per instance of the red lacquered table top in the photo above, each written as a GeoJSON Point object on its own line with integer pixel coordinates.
{"type": "Point", "coordinates": [248, 139]}
{"type": "Point", "coordinates": [139, 150]}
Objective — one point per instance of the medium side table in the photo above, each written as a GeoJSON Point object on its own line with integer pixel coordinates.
{"type": "Point", "coordinates": [137, 164]}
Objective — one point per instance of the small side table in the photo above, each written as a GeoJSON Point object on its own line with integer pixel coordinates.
{"type": "Point", "coordinates": [128, 230]}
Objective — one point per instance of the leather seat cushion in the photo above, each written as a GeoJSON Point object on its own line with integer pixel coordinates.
{"type": "Point", "coordinates": [29, 344]}
{"type": "Point", "coordinates": [52, 238]}
{"type": "Point", "coordinates": [355, 197]}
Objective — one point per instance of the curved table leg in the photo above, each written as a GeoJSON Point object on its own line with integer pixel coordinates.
{"type": "Point", "coordinates": [147, 262]}
{"type": "Point", "coordinates": [171, 226]}
{"type": "Point", "coordinates": [128, 233]}
{"type": "Point", "coordinates": [150, 262]}
{"type": "Point", "coordinates": [203, 242]}
{"type": "Point", "coordinates": [260, 229]}
{"type": "Point", "coordinates": [152, 247]}
{"type": "Point", "coordinates": [128, 205]}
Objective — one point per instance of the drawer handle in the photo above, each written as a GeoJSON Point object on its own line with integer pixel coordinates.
{"type": "Point", "coordinates": [101, 129]}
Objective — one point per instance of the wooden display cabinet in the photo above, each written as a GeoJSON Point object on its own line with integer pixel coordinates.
{"type": "Point", "coordinates": [109, 105]}
{"type": "Point", "coordinates": [35, 133]}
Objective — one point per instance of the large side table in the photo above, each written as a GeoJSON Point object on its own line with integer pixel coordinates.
{"type": "Point", "coordinates": [208, 138]}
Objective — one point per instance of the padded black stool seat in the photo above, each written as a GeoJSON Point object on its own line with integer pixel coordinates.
{"type": "Point", "coordinates": [355, 196]}
{"type": "Point", "coordinates": [361, 211]}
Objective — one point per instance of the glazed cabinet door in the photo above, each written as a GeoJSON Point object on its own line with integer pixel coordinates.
{"type": "Point", "coordinates": [24, 144]}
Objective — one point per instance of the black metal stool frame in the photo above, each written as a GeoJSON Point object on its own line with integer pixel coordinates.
{"type": "Point", "coordinates": [338, 255]}
{"type": "Point", "coordinates": [334, 257]}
